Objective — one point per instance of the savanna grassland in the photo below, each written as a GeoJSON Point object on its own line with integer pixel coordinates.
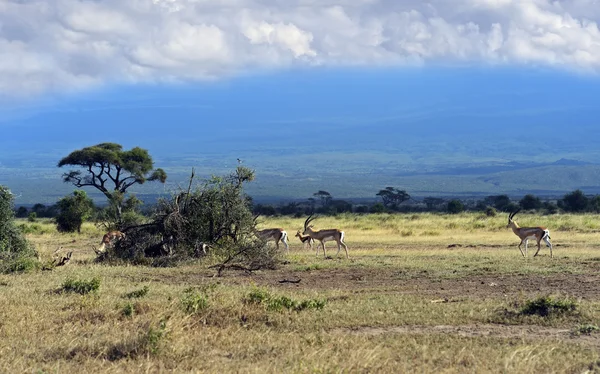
{"type": "Point", "coordinates": [420, 292]}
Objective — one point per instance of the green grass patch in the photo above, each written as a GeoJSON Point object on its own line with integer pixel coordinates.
{"type": "Point", "coordinates": [261, 296]}
{"type": "Point", "coordinates": [81, 286]}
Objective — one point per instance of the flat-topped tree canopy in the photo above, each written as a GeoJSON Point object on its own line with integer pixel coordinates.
{"type": "Point", "coordinates": [110, 169]}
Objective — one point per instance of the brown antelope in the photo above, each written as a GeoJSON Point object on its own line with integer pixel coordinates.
{"type": "Point", "coordinates": [526, 233]}
{"type": "Point", "coordinates": [276, 235]}
{"type": "Point", "coordinates": [108, 239]}
{"type": "Point", "coordinates": [325, 235]}
{"type": "Point", "coordinates": [305, 239]}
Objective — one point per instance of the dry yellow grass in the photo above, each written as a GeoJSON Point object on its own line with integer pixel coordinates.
{"type": "Point", "coordinates": [404, 302]}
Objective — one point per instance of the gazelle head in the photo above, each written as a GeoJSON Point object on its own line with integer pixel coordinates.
{"type": "Point", "coordinates": [306, 224]}
{"type": "Point", "coordinates": [298, 234]}
{"type": "Point", "coordinates": [511, 222]}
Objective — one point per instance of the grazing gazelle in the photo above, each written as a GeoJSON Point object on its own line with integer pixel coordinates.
{"type": "Point", "coordinates": [108, 239]}
{"type": "Point", "coordinates": [305, 239]}
{"type": "Point", "coordinates": [274, 234]}
{"type": "Point", "coordinates": [324, 236]}
{"type": "Point", "coordinates": [526, 233]}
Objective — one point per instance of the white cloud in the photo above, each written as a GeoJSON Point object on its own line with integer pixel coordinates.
{"type": "Point", "coordinates": [65, 45]}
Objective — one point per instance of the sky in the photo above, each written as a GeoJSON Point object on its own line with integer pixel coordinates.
{"type": "Point", "coordinates": [401, 77]}
{"type": "Point", "coordinates": [50, 48]}
{"type": "Point", "coordinates": [267, 68]}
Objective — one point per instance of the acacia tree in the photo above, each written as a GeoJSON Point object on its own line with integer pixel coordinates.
{"type": "Point", "coordinates": [111, 170]}
{"type": "Point", "coordinates": [392, 197]}
{"type": "Point", "coordinates": [324, 196]}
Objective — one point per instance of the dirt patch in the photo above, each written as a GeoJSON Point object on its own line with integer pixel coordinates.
{"type": "Point", "coordinates": [484, 330]}
{"type": "Point", "coordinates": [393, 281]}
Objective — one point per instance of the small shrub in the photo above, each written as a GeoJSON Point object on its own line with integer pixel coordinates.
{"type": "Point", "coordinates": [79, 286]}
{"type": "Point", "coordinates": [128, 310]}
{"type": "Point", "coordinates": [257, 296]}
{"type": "Point", "coordinates": [406, 233]}
{"type": "Point", "coordinates": [194, 302]}
{"type": "Point", "coordinates": [32, 217]}
{"type": "Point", "coordinates": [138, 293]}
{"type": "Point", "coordinates": [20, 265]}
{"type": "Point", "coordinates": [546, 305]}
{"type": "Point", "coordinates": [278, 303]}
{"type": "Point", "coordinates": [586, 329]}
{"type": "Point", "coordinates": [490, 211]}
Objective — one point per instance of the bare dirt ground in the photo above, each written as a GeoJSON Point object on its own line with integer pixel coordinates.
{"type": "Point", "coordinates": [393, 280]}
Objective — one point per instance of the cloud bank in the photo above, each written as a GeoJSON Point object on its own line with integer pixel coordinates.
{"type": "Point", "coordinates": [67, 45]}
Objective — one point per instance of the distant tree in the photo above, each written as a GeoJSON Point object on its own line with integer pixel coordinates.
{"type": "Point", "coordinates": [312, 202]}
{"type": "Point", "coordinates": [502, 203]}
{"type": "Point", "coordinates": [595, 204]}
{"type": "Point", "coordinates": [529, 202]}
{"type": "Point", "coordinates": [324, 196]}
{"type": "Point", "coordinates": [393, 197]}
{"type": "Point", "coordinates": [433, 202]}
{"type": "Point", "coordinates": [455, 206]}
{"type": "Point", "coordinates": [32, 217]}
{"type": "Point", "coordinates": [575, 201]}
{"type": "Point", "coordinates": [74, 210]}
{"type": "Point", "coordinates": [264, 210]}
{"type": "Point", "coordinates": [22, 212]}
{"type": "Point", "coordinates": [111, 170]}
{"type": "Point", "coordinates": [378, 208]}
{"type": "Point", "coordinates": [551, 208]}
{"type": "Point", "coordinates": [340, 206]}
{"type": "Point", "coordinates": [40, 210]}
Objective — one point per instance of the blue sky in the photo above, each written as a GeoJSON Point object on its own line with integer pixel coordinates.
{"type": "Point", "coordinates": [240, 68]}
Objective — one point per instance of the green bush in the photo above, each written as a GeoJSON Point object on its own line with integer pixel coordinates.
{"type": "Point", "coordinates": [74, 210]}
{"type": "Point", "coordinates": [138, 293]}
{"type": "Point", "coordinates": [79, 286]}
{"type": "Point", "coordinates": [16, 254]}
{"type": "Point", "coordinates": [455, 206]}
{"type": "Point", "coordinates": [194, 302]}
{"type": "Point", "coordinates": [546, 305]}
{"type": "Point", "coordinates": [261, 296]}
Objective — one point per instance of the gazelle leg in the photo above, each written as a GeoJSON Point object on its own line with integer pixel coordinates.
{"type": "Point", "coordinates": [522, 254]}
{"type": "Point", "coordinates": [539, 246]}
{"type": "Point", "coordinates": [324, 253]}
{"type": "Point", "coordinates": [287, 247]}
{"type": "Point", "coordinates": [526, 244]}
{"type": "Point", "coordinates": [345, 249]}
{"type": "Point", "coordinates": [549, 244]}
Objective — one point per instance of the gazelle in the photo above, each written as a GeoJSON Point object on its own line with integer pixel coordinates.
{"type": "Point", "coordinates": [305, 239]}
{"type": "Point", "coordinates": [274, 234]}
{"type": "Point", "coordinates": [526, 233]}
{"type": "Point", "coordinates": [324, 236]}
{"type": "Point", "coordinates": [108, 239]}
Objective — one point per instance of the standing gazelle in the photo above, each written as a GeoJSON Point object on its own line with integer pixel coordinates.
{"type": "Point", "coordinates": [324, 236]}
{"type": "Point", "coordinates": [305, 239]}
{"type": "Point", "coordinates": [274, 234]}
{"type": "Point", "coordinates": [526, 233]}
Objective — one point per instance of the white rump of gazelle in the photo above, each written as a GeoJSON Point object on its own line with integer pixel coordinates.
{"type": "Point", "coordinates": [325, 235]}
{"type": "Point", "coordinates": [526, 233]}
{"type": "Point", "coordinates": [277, 235]}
